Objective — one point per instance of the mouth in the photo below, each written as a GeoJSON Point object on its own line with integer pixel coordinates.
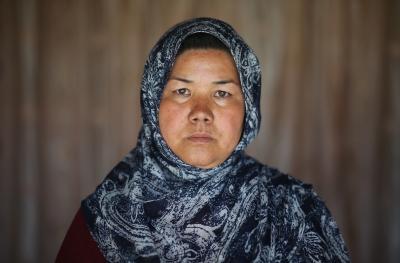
{"type": "Point", "coordinates": [200, 138]}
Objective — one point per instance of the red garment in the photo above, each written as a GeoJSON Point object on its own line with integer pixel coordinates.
{"type": "Point", "coordinates": [78, 244]}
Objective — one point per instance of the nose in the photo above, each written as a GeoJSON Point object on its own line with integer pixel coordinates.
{"type": "Point", "coordinates": [201, 113]}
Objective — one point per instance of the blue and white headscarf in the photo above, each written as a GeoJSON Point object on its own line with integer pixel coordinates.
{"type": "Point", "coordinates": [153, 207]}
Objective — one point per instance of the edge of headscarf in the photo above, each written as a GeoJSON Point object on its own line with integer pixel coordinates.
{"type": "Point", "coordinates": [160, 63]}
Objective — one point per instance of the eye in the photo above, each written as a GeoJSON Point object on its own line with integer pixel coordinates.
{"type": "Point", "coordinates": [182, 92]}
{"type": "Point", "coordinates": [222, 94]}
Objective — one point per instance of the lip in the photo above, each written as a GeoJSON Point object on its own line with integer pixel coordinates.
{"type": "Point", "coordinates": [200, 138]}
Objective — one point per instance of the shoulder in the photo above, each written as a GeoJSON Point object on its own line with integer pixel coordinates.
{"type": "Point", "coordinates": [78, 244]}
{"type": "Point", "coordinates": [298, 217]}
{"type": "Point", "coordinates": [279, 185]}
{"type": "Point", "coordinates": [283, 194]}
{"type": "Point", "coordinates": [278, 182]}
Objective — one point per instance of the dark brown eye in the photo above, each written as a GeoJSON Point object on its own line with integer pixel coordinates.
{"type": "Point", "coordinates": [183, 92]}
{"type": "Point", "coordinates": [222, 94]}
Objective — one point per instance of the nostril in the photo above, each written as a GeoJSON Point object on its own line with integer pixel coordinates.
{"type": "Point", "coordinates": [201, 118]}
{"type": "Point", "coordinates": [201, 113]}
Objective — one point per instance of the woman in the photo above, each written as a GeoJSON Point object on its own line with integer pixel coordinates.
{"type": "Point", "coordinates": [188, 192]}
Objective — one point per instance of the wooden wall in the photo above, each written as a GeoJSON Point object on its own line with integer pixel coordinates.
{"type": "Point", "coordinates": [69, 106]}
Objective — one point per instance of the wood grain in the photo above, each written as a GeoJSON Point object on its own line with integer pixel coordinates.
{"type": "Point", "coordinates": [69, 106]}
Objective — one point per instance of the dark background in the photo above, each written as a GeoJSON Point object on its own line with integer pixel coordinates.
{"type": "Point", "coordinates": [69, 107]}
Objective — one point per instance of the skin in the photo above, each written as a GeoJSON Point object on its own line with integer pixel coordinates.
{"type": "Point", "coordinates": [202, 107]}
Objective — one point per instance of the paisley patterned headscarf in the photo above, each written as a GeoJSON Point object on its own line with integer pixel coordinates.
{"type": "Point", "coordinates": [153, 207]}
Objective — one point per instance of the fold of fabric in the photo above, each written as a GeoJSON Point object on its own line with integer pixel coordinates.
{"type": "Point", "coordinates": [154, 207]}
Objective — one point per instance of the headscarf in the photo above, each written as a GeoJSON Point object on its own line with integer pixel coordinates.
{"type": "Point", "coordinates": [153, 207]}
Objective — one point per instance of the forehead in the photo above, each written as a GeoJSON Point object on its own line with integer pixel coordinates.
{"type": "Point", "coordinates": [201, 60]}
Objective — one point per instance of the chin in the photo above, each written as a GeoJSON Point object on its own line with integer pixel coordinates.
{"type": "Point", "coordinates": [202, 157]}
{"type": "Point", "coordinates": [200, 162]}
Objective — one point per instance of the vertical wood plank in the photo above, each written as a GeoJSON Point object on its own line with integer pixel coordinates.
{"type": "Point", "coordinates": [9, 158]}
{"type": "Point", "coordinates": [28, 172]}
{"type": "Point", "coordinates": [392, 139]}
{"type": "Point", "coordinates": [58, 84]}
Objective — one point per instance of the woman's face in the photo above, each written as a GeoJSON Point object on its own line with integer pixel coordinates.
{"type": "Point", "coordinates": [202, 107]}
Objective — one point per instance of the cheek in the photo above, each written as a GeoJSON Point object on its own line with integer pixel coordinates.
{"type": "Point", "coordinates": [170, 119]}
{"type": "Point", "coordinates": [231, 124]}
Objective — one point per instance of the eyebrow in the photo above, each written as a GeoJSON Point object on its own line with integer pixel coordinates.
{"type": "Point", "coordinates": [181, 79]}
{"type": "Point", "coordinates": [218, 82]}
{"type": "Point", "coordinates": [227, 81]}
